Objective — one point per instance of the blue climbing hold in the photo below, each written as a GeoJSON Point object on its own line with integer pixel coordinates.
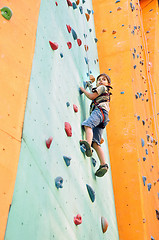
{"type": "Point", "coordinates": [134, 66]}
{"type": "Point", "coordinates": [67, 160]}
{"type": "Point", "coordinates": [61, 55]}
{"type": "Point", "coordinates": [85, 35]}
{"type": "Point", "coordinates": [109, 69]}
{"type": "Point", "coordinates": [83, 148]}
{"type": "Point", "coordinates": [122, 25]}
{"type": "Point", "coordinates": [144, 159]}
{"type": "Point", "coordinates": [93, 162]}
{"type": "Point", "coordinates": [142, 142]}
{"type": "Point", "coordinates": [136, 96]}
{"type": "Point", "coordinates": [81, 9]}
{"type": "Point", "coordinates": [86, 60]}
{"type": "Point", "coordinates": [89, 11]}
{"type": "Point", "coordinates": [152, 238]}
{"type": "Point", "coordinates": [122, 92]}
{"type": "Point", "coordinates": [83, 1]}
{"type": "Point", "coordinates": [146, 151]}
{"type": "Point", "coordinates": [133, 56]}
{"type": "Point", "coordinates": [134, 50]}
{"type": "Point", "coordinates": [74, 34]}
{"type": "Point", "coordinates": [67, 104]}
{"type": "Point", "coordinates": [59, 182]}
{"type": "Point", "coordinates": [74, 5]}
{"type": "Point", "coordinates": [149, 186]}
{"type": "Point", "coordinates": [144, 179]}
{"type": "Point", "coordinates": [117, 1]}
{"type": "Point", "coordinates": [96, 40]}
{"type": "Point", "coordinates": [92, 11]}
{"type": "Point", "coordinates": [137, 55]}
{"type": "Point", "coordinates": [90, 30]}
{"type": "Point", "coordinates": [138, 118]}
{"type": "Point", "coordinates": [91, 193]}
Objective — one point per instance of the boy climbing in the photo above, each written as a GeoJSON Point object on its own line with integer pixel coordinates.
{"type": "Point", "coordinates": [97, 120]}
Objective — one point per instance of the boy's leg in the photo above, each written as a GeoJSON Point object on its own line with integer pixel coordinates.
{"type": "Point", "coordinates": [89, 134]}
{"type": "Point", "coordinates": [100, 153]}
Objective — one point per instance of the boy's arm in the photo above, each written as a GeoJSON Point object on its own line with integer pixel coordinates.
{"type": "Point", "coordinates": [91, 96]}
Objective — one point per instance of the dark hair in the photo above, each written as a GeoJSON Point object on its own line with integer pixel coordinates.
{"type": "Point", "coordinates": [104, 74]}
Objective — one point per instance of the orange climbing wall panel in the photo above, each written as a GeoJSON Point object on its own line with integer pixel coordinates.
{"type": "Point", "coordinates": [17, 48]}
{"type": "Point", "coordinates": [118, 42]}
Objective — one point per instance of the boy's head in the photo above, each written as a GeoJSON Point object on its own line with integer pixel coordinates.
{"type": "Point", "coordinates": [103, 79]}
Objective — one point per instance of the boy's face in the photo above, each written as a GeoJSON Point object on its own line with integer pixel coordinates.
{"type": "Point", "coordinates": [102, 80]}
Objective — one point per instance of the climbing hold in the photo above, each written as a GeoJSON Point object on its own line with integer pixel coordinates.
{"type": "Point", "coordinates": [61, 55]}
{"type": "Point", "coordinates": [67, 104]}
{"type": "Point", "coordinates": [122, 25]}
{"type": "Point", "coordinates": [77, 2]}
{"type": "Point", "coordinates": [152, 238]}
{"type": "Point", "coordinates": [56, 3]}
{"type": "Point", "coordinates": [113, 32]}
{"type": "Point", "coordinates": [157, 214]}
{"type": "Point", "coordinates": [143, 122]}
{"type": "Point", "coordinates": [87, 16]}
{"type": "Point", "coordinates": [122, 92]}
{"type": "Point", "coordinates": [146, 151]}
{"type": "Point", "coordinates": [96, 40]}
{"type": "Point", "coordinates": [83, 1]}
{"type": "Point", "coordinates": [74, 5]}
{"type": "Point", "coordinates": [144, 159]}
{"type": "Point", "coordinates": [93, 161]}
{"type": "Point", "coordinates": [79, 42]}
{"type": "Point", "coordinates": [69, 3]}
{"type": "Point", "coordinates": [75, 108]}
{"type": "Point", "coordinates": [90, 30]}
{"type": "Point", "coordinates": [83, 148]}
{"type": "Point", "coordinates": [134, 66]}
{"type": "Point", "coordinates": [89, 11]}
{"type": "Point", "coordinates": [138, 118]}
{"type": "Point", "coordinates": [69, 44]}
{"type": "Point", "coordinates": [149, 186]}
{"type": "Point", "coordinates": [6, 13]}
{"type": "Point", "coordinates": [59, 182]}
{"type": "Point", "coordinates": [119, 8]}
{"type": "Point", "coordinates": [81, 9]}
{"type": "Point", "coordinates": [117, 1]}
{"type": "Point", "coordinates": [150, 10]}
{"type": "Point", "coordinates": [68, 28]}
{"type": "Point", "coordinates": [78, 219]}
{"type": "Point", "coordinates": [91, 193]}
{"type": "Point", "coordinates": [48, 142]}
{"type": "Point", "coordinates": [86, 60]}
{"type": "Point", "coordinates": [136, 96]}
{"type": "Point", "coordinates": [144, 179]}
{"type": "Point", "coordinates": [104, 30]}
{"type": "Point", "coordinates": [74, 34]}
{"type": "Point", "coordinates": [104, 224]}
{"type": "Point", "coordinates": [142, 142]}
{"type": "Point", "coordinates": [86, 48]}
{"type": "Point", "coordinates": [68, 129]}
{"type": "Point", "coordinates": [54, 46]}
{"type": "Point", "coordinates": [85, 35]}
{"type": "Point", "coordinates": [67, 160]}
{"type": "Point", "coordinates": [102, 140]}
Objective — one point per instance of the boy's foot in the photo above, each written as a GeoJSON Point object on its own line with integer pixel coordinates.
{"type": "Point", "coordinates": [102, 170]}
{"type": "Point", "coordinates": [88, 148]}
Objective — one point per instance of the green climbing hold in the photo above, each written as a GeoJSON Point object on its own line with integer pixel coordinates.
{"type": "Point", "coordinates": [6, 13]}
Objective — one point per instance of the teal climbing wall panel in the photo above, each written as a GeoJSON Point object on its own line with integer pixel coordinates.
{"type": "Point", "coordinates": [39, 210]}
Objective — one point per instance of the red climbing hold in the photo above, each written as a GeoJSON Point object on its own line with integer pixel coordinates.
{"type": "Point", "coordinates": [48, 142]}
{"type": "Point", "coordinates": [54, 46]}
{"type": "Point", "coordinates": [69, 3]}
{"type": "Point", "coordinates": [68, 28]}
{"type": "Point", "coordinates": [104, 224]}
{"type": "Point", "coordinates": [68, 129]}
{"type": "Point", "coordinates": [79, 42]}
{"type": "Point", "coordinates": [75, 108]}
{"type": "Point", "coordinates": [56, 3]}
{"type": "Point", "coordinates": [69, 44]}
{"type": "Point", "coordinates": [78, 219]}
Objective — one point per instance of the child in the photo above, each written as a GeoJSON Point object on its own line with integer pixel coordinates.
{"type": "Point", "coordinates": [97, 120]}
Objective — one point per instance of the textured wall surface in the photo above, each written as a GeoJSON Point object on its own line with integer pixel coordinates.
{"type": "Point", "coordinates": [128, 51]}
{"type": "Point", "coordinates": [39, 210]}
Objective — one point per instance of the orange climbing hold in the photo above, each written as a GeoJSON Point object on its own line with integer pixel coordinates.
{"type": "Point", "coordinates": [113, 32]}
{"type": "Point", "coordinates": [77, 2]}
{"type": "Point", "coordinates": [104, 224]}
{"type": "Point", "coordinates": [87, 16]}
{"type": "Point", "coordinates": [86, 48]}
{"type": "Point", "coordinates": [104, 30]}
{"type": "Point", "coordinates": [102, 140]}
{"type": "Point", "coordinates": [54, 46]}
{"type": "Point", "coordinates": [69, 3]}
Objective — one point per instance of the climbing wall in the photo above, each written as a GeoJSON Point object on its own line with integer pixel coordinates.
{"type": "Point", "coordinates": [56, 193]}
{"type": "Point", "coordinates": [17, 42]}
{"type": "Point", "coordinates": [127, 33]}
